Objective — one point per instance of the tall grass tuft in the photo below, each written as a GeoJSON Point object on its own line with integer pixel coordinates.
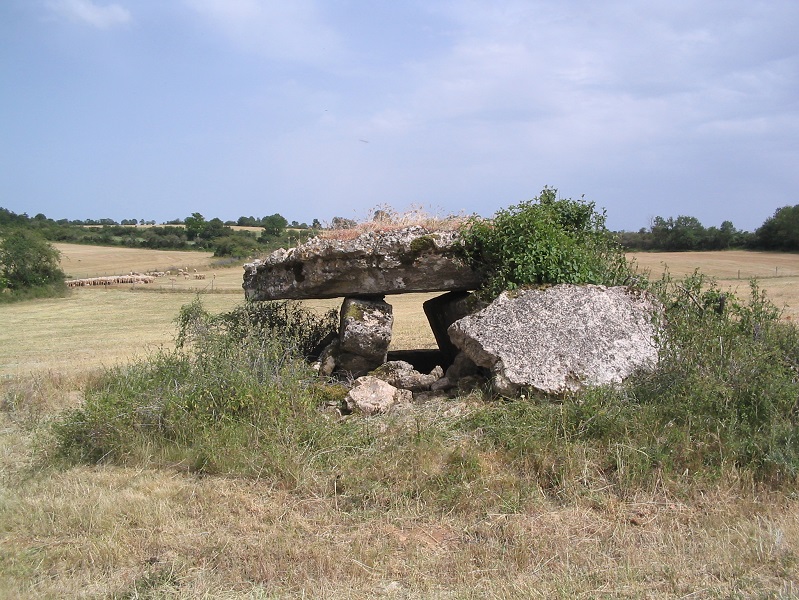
{"type": "Point", "coordinates": [728, 380]}
{"type": "Point", "coordinates": [234, 396]}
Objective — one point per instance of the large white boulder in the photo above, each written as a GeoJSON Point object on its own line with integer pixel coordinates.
{"type": "Point", "coordinates": [562, 338]}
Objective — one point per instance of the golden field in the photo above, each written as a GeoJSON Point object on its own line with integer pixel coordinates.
{"type": "Point", "coordinates": [123, 531]}
{"type": "Point", "coordinates": [91, 327]}
{"type": "Point", "coordinates": [80, 261]}
{"type": "Point", "coordinates": [94, 327]}
{"type": "Point", "coordinates": [777, 273]}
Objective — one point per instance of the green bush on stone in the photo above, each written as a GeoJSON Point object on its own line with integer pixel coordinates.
{"type": "Point", "coordinates": [545, 240]}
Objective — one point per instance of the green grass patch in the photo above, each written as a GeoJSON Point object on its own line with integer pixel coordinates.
{"type": "Point", "coordinates": [724, 396]}
{"type": "Point", "coordinates": [235, 396]}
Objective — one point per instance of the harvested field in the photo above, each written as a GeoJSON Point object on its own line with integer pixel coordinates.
{"type": "Point", "coordinates": [79, 261]}
{"type": "Point", "coordinates": [468, 531]}
{"type": "Point", "coordinates": [90, 328]}
{"type": "Point", "coordinates": [95, 327]}
{"type": "Point", "coordinates": [727, 265]}
{"type": "Point", "coordinates": [66, 335]}
{"type": "Point", "coordinates": [777, 272]}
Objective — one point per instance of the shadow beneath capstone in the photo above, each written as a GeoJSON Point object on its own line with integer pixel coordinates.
{"type": "Point", "coordinates": [423, 361]}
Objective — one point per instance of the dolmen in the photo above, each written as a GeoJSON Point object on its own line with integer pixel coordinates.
{"type": "Point", "coordinates": [554, 340]}
{"type": "Point", "coordinates": [364, 270]}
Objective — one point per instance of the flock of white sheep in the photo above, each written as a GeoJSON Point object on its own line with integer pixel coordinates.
{"type": "Point", "coordinates": [112, 280]}
{"type": "Point", "coordinates": [133, 277]}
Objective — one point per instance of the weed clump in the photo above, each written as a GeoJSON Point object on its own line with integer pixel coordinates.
{"type": "Point", "coordinates": [235, 387]}
{"type": "Point", "coordinates": [298, 328]}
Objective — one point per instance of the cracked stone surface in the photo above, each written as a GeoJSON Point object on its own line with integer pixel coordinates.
{"type": "Point", "coordinates": [561, 339]}
{"type": "Point", "coordinates": [413, 259]}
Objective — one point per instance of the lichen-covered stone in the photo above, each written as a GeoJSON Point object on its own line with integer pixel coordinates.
{"type": "Point", "coordinates": [366, 328]}
{"type": "Point", "coordinates": [402, 375]}
{"type": "Point", "coordinates": [413, 259]}
{"type": "Point", "coordinates": [560, 339]}
{"type": "Point", "coordinates": [370, 396]}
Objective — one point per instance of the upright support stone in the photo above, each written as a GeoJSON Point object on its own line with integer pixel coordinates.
{"type": "Point", "coordinates": [442, 311]}
{"type": "Point", "coordinates": [364, 334]}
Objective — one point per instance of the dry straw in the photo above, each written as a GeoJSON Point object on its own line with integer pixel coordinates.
{"type": "Point", "coordinates": [385, 218]}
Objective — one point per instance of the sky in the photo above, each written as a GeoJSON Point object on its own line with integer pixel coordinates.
{"type": "Point", "coordinates": [156, 109]}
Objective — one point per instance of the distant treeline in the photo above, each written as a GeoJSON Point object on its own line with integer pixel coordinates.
{"type": "Point", "coordinates": [778, 232]}
{"type": "Point", "coordinates": [192, 233]}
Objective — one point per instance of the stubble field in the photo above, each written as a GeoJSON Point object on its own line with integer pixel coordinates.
{"type": "Point", "coordinates": [125, 532]}
{"type": "Point", "coordinates": [777, 273]}
{"type": "Point", "coordinates": [93, 327]}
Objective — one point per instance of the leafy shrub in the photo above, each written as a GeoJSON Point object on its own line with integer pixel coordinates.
{"type": "Point", "coordinates": [544, 240]}
{"type": "Point", "coordinates": [301, 330]}
{"type": "Point", "coordinates": [28, 262]}
{"type": "Point", "coordinates": [780, 231]}
{"type": "Point", "coordinates": [239, 246]}
{"type": "Point", "coordinates": [729, 374]}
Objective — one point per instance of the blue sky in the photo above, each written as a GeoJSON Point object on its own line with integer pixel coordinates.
{"type": "Point", "coordinates": [155, 109]}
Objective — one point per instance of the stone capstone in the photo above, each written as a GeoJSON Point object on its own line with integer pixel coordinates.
{"type": "Point", "coordinates": [561, 339]}
{"type": "Point", "coordinates": [372, 396]}
{"type": "Point", "coordinates": [413, 259]}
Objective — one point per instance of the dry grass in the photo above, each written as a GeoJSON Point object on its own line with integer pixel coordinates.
{"type": "Point", "coordinates": [111, 531]}
{"type": "Point", "coordinates": [107, 530]}
{"type": "Point", "coordinates": [385, 218]}
{"type": "Point", "coordinates": [96, 261]}
{"type": "Point", "coordinates": [777, 272]}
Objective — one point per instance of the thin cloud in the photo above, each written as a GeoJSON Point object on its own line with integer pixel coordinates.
{"type": "Point", "coordinates": [294, 31]}
{"type": "Point", "coordinates": [86, 11]}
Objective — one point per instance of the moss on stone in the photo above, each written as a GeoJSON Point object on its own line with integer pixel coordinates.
{"type": "Point", "coordinates": [354, 311]}
{"type": "Point", "coordinates": [418, 246]}
{"type": "Point", "coordinates": [423, 243]}
{"type": "Point", "coordinates": [329, 394]}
